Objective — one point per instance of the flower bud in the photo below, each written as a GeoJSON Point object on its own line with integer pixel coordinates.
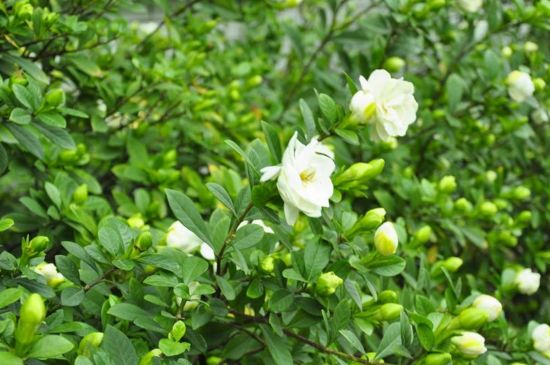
{"type": "Point", "coordinates": [136, 221]}
{"type": "Point", "coordinates": [55, 97]}
{"type": "Point", "coordinates": [394, 64]}
{"type": "Point", "coordinates": [254, 81]}
{"type": "Point", "coordinates": [23, 9]}
{"type": "Point", "coordinates": [80, 195]}
{"type": "Point", "coordinates": [31, 314]}
{"type": "Point", "coordinates": [388, 312]}
{"type": "Point", "coordinates": [359, 173]}
{"type": "Point", "coordinates": [423, 234]}
{"type": "Point", "coordinates": [506, 52]}
{"type": "Point", "coordinates": [530, 47]}
{"type": "Point", "coordinates": [452, 264]}
{"type": "Point", "coordinates": [463, 205]}
{"type": "Point", "coordinates": [385, 239]}
{"type": "Point", "coordinates": [147, 359]}
{"type": "Point", "coordinates": [506, 238]}
{"type": "Point", "coordinates": [387, 296]}
{"type": "Point", "coordinates": [49, 272]}
{"type": "Point", "coordinates": [539, 83]}
{"type": "Point", "coordinates": [327, 283]}
{"type": "Point", "coordinates": [89, 343]}
{"type": "Point", "coordinates": [144, 241]}
{"type": "Point", "coordinates": [541, 339]}
{"type": "Point", "coordinates": [267, 264]}
{"type": "Point", "coordinates": [527, 281]}
{"type": "Point", "coordinates": [521, 193]}
{"type": "Point", "coordinates": [214, 360]}
{"type": "Point", "coordinates": [372, 219]}
{"type": "Point", "coordinates": [472, 318]}
{"type": "Point", "coordinates": [488, 209]}
{"type": "Point", "coordinates": [490, 305]}
{"type": "Point", "coordinates": [520, 86]}
{"type": "Point", "coordinates": [470, 344]}
{"type": "Point", "coordinates": [524, 217]}
{"type": "Point", "coordinates": [287, 259]}
{"type": "Point", "coordinates": [447, 184]}
{"type": "Point", "coordinates": [38, 244]}
{"type": "Point", "coordinates": [438, 359]}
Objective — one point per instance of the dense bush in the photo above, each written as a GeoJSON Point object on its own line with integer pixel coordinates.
{"type": "Point", "coordinates": [212, 182]}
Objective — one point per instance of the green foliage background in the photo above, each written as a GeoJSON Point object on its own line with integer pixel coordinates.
{"type": "Point", "coordinates": [162, 120]}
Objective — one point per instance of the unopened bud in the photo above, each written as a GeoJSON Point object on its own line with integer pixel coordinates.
{"type": "Point", "coordinates": [539, 83]}
{"type": "Point", "coordinates": [38, 244]}
{"type": "Point", "coordinates": [452, 264]}
{"type": "Point", "coordinates": [394, 64]}
{"type": "Point", "coordinates": [530, 47]}
{"type": "Point", "coordinates": [136, 221]}
{"type": "Point", "coordinates": [359, 173]}
{"type": "Point", "coordinates": [80, 195]}
{"type": "Point", "coordinates": [438, 359]}
{"type": "Point", "coordinates": [144, 241]}
{"type": "Point", "coordinates": [267, 264]}
{"type": "Point", "coordinates": [423, 234]}
{"type": "Point", "coordinates": [31, 314]}
{"type": "Point", "coordinates": [506, 52]}
{"type": "Point", "coordinates": [254, 81]}
{"type": "Point", "coordinates": [469, 344]}
{"type": "Point", "coordinates": [488, 209]}
{"type": "Point", "coordinates": [214, 360]}
{"type": "Point", "coordinates": [385, 239]}
{"type": "Point", "coordinates": [525, 217]}
{"type": "Point", "coordinates": [521, 193]}
{"type": "Point", "coordinates": [89, 343]}
{"type": "Point", "coordinates": [371, 220]}
{"type": "Point", "coordinates": [447, 184]}
{"type": "Point", "coordinates": [327, 283]}
{"type": "Point", "coordinates": [472, 318]}
{"type": "Point", "coordinates": [387, 296]}
{"type": "Point", "coordinates": [388, 312]}
{"type": "Point", "coordinates": [463, 205]}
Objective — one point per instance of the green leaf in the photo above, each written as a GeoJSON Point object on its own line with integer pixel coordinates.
{"type": "Point", "coordinates": [388, 265]}
{"type": "Point", "coordinates": [277, 346]}
{"type": "Point", "coordinates": [328, 107]}
{"type": "Point", "coordinates": [30, 68]}
{"type": "Point", "coordinates": [27, 139]}
{"type": "Point", "coordinates": [352, 339]}
{"type": "Point", "coordinates": [50, 347]}
{"type": "Point", "coordinates": [20, 116]}
{"type": "Point", "coordinates": [9, 296]}
{"type": "Point", "coordinates": [173, 348]}
{"type": "Point", "coordinates": [390, 342]}
{"type": "Point", "coordinates": [309, 121]}
{"type": "Point", "coordinates": [316, 257]}
{"type": "Point", "coordinates": [127, 311]}
{"type": "Point", "coordinates": [247, 236]}
{"type": "Point", "coordinates": [68, 268]}
{"type": "Point", "coordinates": [192, 268]}
{"type": "Point", "coordinates": [227, 289]}
{"type": "Point", "coordinates": [273, 140]}
{"type": "Point", "coordinates": [71, 297]}
{"type": "Point", "coordinates": [3, 159]}
{"type": "Point", "coordinates": [119, 347]}
{"type": "Point", "coordinates": [281, 300]}
{"type": "Point", "coordinates": [58, 136]}
{"type": "Point", "coordinates": [454, 88]}
{"type": "Point", "coordinates": [5, 224]}
{"type": "Point", "coordinates": [53, 193]}
{"type": "Point", "coordinates": [186, 212]}
{"type": "Point", "coordinates": [52, 118]}
{"type": "Point", "coordinates": [8, 358]}
{"type": "Point", "coordinates": [222, 195]}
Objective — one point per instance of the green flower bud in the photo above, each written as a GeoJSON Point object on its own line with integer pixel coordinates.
{"type": "Point", "coordinates": [170, 157]}
{"type": "Point", "coordinates": [287, 259]}
{"type": "Point", "coordinates": [388, 312]}
{"type": "Point", "coordinates": [530, 47]}
{"type": "Point", "coordinates": [371, 220]}
{"type": "Point", "coordinates": [423, 234]}
{"type": "Point", "coordinates": [387, 296]}
{"type": "Point", "coordinates": [438, 359]}
{"type": "Point", "coordinates": [394, 64]}
{"type": "Point", "coordinates": [80, 195]}
{"type": "Point", "coordinates": [521, 193]}
{"type": "Point", "coordinates": [490, 176]}
{"type": "Point", "coordinates": [89, 343]}
{"type": "Point", "coordinates": [506, 52]}
{"type": "Point", "coordinates": [267, 264]}
{"type": "Point", "coordinates": [507, 238]}
{"type": "Point", "coordinates": [539, 83]}
{"type": "Point", "coordinates": [214, 360]}
{"type": "Point", "coordinates": [254, 81]}
{"type": "Point", "coordinates": [463, 205]}
{"type": "Point", "coordinates": [452, 264]}
{"type": "Point", "coordinates": [359, 173]}
{"type": "Point", "coordinates": [469, 344]}
{"type": "Point", "coordinates": [447, 184]}
{"type": "Point", "coordinates": [144, 241]}
{"type": "Point", "coordinates": [327, 283]}
{"type": "Point", "coordinates": [525, 217]}
{"type": "Point", "coordinates": [135, 221]}
{"type": "Point", "coordinates": [385, 239]}
{"type": "Point", "coordinates": [147, 359]}
{"type": "Point", "coordinates": [31, 314]}
{"type": "Point", "coordinates": [55, 97]}
{"type": "Point", "coordinates": [38, 244]}
{"type": "Point", "coordinates": [488, 209]}
{"type": "Point", "coordinates": [23, 9]}
{"type": "Point", "coordinates": [472, 318]}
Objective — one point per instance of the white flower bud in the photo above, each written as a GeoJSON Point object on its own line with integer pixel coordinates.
{"type": "Point", "coordinates": [470, 6]}
{"type": "Point", "coordinates": [490, 305]}
{"type": "Point", "coordinates": [541, 339]}
{"type": "Point", "coordinates": [385, 239]}
{"type": "Point", "coordinates": [470, 344]}
{"type": "Point", "coordinates": [527, 281]}
{"type": "Point", "coordinates": [180, 237]}
{"type": "Point", "coordinates": [49, 272]}
{"type": "Point", "coordinates": [386, 103]}
{"type": "Point", "coordinates": [520, 85]}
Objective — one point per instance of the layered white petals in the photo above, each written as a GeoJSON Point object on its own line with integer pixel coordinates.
{"type": "Point", "coordinates": [541, 339]}
{"type": "Point", "coordinates": [527, 281]}
{"type": "Point", "coordinates": [49, 272]}
{"type": "Point", "coordinates": [386, 103]}
{"type": "Point", "coordinates": [490, 305]}
{"type": "Point", "coordinates": [303, 178]}
{"type": "Point", "coordinates": [470, 344]}
{"type": "Point", "coordinates": [520, 86]}
{"type": "Point", "coordinates": [180, 237]}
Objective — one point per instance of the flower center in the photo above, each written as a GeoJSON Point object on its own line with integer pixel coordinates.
{"type": "Point", "coordinates": [307, 175]}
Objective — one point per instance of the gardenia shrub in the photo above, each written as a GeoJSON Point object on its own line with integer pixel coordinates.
{"type": "Point", "coordinates": [274, 182]}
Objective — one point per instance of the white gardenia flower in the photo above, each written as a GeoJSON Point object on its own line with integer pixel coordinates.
{"type": "Point", "coordinates": [303, 178]}
{"type": "Point", "coordinates": [386, 103]}
{"type": "Point", "coordinates": [207, 252]}
{"type": "Point", "coordinates": [49, 272]}
{"type": "Point", "coordinates": [180, 237]}
{"type": "Point", "coordinates": [470, 344]}
{"type": "Point", "coordinates": [528, 282]}
{"type": "Point", "coordinates": [385, 239]}
{"type": "Point", "coordinates": [489, 305]}
{"type": "Point", "coordinates": [520, 85]}
{"type": "Point", "coordinates": [470, 5]}
{"type": "Point", "coordinates": [541, 339]}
